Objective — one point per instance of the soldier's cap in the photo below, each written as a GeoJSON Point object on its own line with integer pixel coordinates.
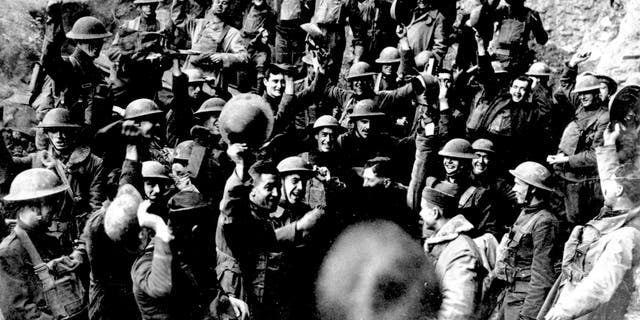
{"type": "Point", "coordinates": [443, 194]}
{"type": "Point", "coordinates": [283, 68]}
{"type": "Point", "coordinates": [375, 270]}
{"type": "Point", "coordinates": [364, 109]}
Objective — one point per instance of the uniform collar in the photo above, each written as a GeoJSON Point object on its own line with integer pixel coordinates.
{"type": "Point", "coordinates": [78, 155]}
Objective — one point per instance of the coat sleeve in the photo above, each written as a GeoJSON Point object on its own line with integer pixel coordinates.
{"type": "Point", "coordinates": [98, 183]}
{"type": "Point", "coordinates": [236, 51]}
{"type": "Point", "coordinates": [439, 38]}
{"type": "Point", "coordinates": [537, 28]}
{"type": "Point", "coordinates": [152, 275]}
{"type": "Point", "coordinates": [608, 162]}
{"type": "Point", "coordinates": [16, 300]}
{"type": "Point", "coordinates": [388, 99]}
{"type": "Point", "coordinates": [607, 274]}
{"type": "Point", "coordinates": [180, 117]}
{"type": "Point", "coordinates": [56, 67]}
{"type": "Point", "coordinates": [544, 236]}
{"type": "Point", "coordinates": [459, 286]}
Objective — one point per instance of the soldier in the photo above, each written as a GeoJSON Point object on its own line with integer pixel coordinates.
{"type": "Point", "coordinates": [378, 27]}
{"type": "Point", "coordinates": [528, 254]}
{"type": "Point", "coordinates": [138, 54]}
{"type": "Point", "coordinates": [426, 31]}
{"type": "Point", "coordinates": [458, 264]}
{"type": "Point", "coordinates": [28, 256]}
{"type": "Point", "coordinates": [258, 32]}
{"type": "Point", "coordinates": [474, 203]}
{"type": "Point", "coordinates": [575, 161]}
{"type": "Point", "coordinates": [220, 45]}
{"type": "Point", "coordinates": [389, 61]}
{"type": "Point", "coordinates": [514, 25]}
{"type": "Point", "coordinates": [601, 257]}
{"type": "Point", "coordinates": [365, 140]}
{"type": "Point", "coordinates": [83, 86]}
{"type": "Point", "coordinates": [77, 166]}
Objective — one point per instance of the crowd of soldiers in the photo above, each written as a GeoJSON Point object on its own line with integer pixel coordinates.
{"type": "Point", "coordinates": [205, 166]}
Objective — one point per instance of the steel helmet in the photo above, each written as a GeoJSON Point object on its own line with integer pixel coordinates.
{"type": "Point", "coordinates": [483, 145]}
{"type": "Point", "coordinates": [358, 70]}
{"type": "Point", "coordinates": [364, 109]}
{"type": "Point", "coordinates": [154, 170]}
{"type": "Point", "coordinates": [539, 69]}
{"type": "Point", "coordinates": [326, 121]}
{"type": "Point", "coordinates": [183, 150]}
{"type": "Point", "coordinates": [34, 184]}
{"type": "Point", "coordinates": [457, 148]}
{"type": "Point", "coordinates": [194, 75]}
{"type": "Point", "coordinates": [389, 55]}
{"type": "Point", "coordinates": [633, 79]}
{"type": "Point", "coordinates": [57, 118]}
{"type": "Point", "coordinates": [294, 165]}
{"type": "Point", "coordinates": [586, 83]}
{"type": "Point", "coordinates": [246, 118]}
{"type": "Point", "coordinates": [532, 173]}
{"type": "Point", "coordinates": [210, 106]}
{"type": "Point", "coordinates": [140, 108]}
{"type": "Point", "coordinates": [611, 84]}
{"type": "Point", "coordinates": [88, 28]}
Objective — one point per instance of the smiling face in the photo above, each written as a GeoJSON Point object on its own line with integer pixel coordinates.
{"type": "Point", "coordinates": [451, 165]}
{"type": "Point", "coordinates": [293, 188]}
{"type": "Point", "coordinates": [587, 98]}
{"type": "Point", "coordinates": [389, 69]}
{"type": "Point", "coordinates": [220, 7]}
{"type": "Point", "coordinates": [480, 163]}
{"type": "Point", "coordinates": [266, 192]}
{"type": "Point", "coordinates": [156, 188]}
{"type": "Point", "coordinates": [519, 90]}
{"type": "Point", "coordinates": [326, 139]}
{"type": "Point", "coordinates": [274, 85]}
{"type": "Point", "coordinates": [147, 10]}
{"type": "Point", "coordinates": [362, 86]}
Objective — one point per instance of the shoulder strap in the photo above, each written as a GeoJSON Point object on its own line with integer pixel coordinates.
{"type": "Point", "coordinates": [220, 43]}
{"type": "Point", "coordinates": [28, 245]}
{"type": "Point", "coordinates": [466, 196]}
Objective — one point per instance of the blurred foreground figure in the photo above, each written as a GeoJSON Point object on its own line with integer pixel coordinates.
{"type": "Point", "coordinates": [376, 271]}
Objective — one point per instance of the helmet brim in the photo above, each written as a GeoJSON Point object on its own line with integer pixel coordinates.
{"type": "Point", "coordinates": [364, 75]}
{"type": "Point", "coordinates": [366, 115]}
{"type": "Point", "coordinates": [59, 126]}
{"type": "Point", "coordinates": [528, 181]}
{"type": "Point", "coordinates": [387, 61]}
{"type": "Point", "coordinates": [35, 195]}
{"type": "Point", "coordinates": [587, 89]}
{"type": "Point", "coordinates": [458, 155]}
{"type": "Point", "coordinates": [75, 36]}
{"type": "Point", "coordinates": [145, 115]}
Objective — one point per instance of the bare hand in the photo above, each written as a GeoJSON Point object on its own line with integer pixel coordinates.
{"type": "Point", "coordinates": [579, 57]}
{"type": "Point", "coordinates": [238, 309]}
{"type": "Point", "coordinates": [610, 136]}
{"type": "Point", "coordinates": [401, 31]}
{"type": "Point", "coordinates": [557, 159]}
{"type": "Point", "coordinates": [235, 152]}
{"type": "Point", "coordinates": [216, 58]}
{"type": "Point", "coordinates": [63, 264]}
{"type": "Point", "coordinates": [444, 89]}
{"type": "Point", "coordinates": [47, 160]}
{"type": "Point", "coordinates": [131, 129]}
{"type": "Point", "coordinates": [323, 173]}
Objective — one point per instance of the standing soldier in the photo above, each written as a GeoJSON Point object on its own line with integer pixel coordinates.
{"type": "Point", "coordinates": [83, 86]}
{"type": "Point", "coordinates": [426, 31]}
{"type": "Point", "coordinates": [527, 255]}
{"type": "Point", "coordinates": [137, 54]}
{"type": "Point", "coordinates": [76, 166]}
{"type": "Point", "coordinates": [576, 159]}
{"type": "Point", "coordinates": [389, 61]}
{"type": "Point", "coordinates": [378, 27]}
{"type": "Point", "coordinates": [28, 257]}
{"type": "Point", "coordinates": [220, 46]}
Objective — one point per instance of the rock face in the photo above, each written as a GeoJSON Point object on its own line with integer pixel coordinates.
{"type": "Point", "coordinates": [609, 29]}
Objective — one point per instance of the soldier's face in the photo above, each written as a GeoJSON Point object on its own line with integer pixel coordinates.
{"type": "Point", "coordinates": [39, 215]}
{"type": "Point", "coordinates": [91, 47]}
{"type": "Point", "coordinates": [586, 98]}
{"type": "Point", "coordinates": [148, 9]}
{"type": "Point", "coordinates": [521, 189]}
{"type": "Point", "coordinates": [326, 139]}
{"type": "Point", "coordinates": [193, 90]}
{"type": "Point", "coordinates": [154, 189]}
{"type": "Point", "coordinates": [61, 139]}
{"type": "Point", "coordinates": [451, 165]}
{"type": "Point", "coordinates": [480, 163]}
{"type": "Point", "coordinates": [293, 188]}
{"type": "Point", "coordinates": [519, 90]}
{"type": "Point", "coordinates": [611, 191]}
{"type": "Point", "coordinates": [147, 128]}
{"type": "Point", "coordinates": [428, 214]}
{"type": "Point", "coordinates": [370, 179]}
{"type": "Point", "coordinates": [604, 92]}
{"type": "Point", "coordinates": [220, 6]}
{"type": "Point", "coordinates": [388, 69]}
{"type": "Point", "coordinates": [266, 192]}
{"type": "Point", "coordinates": [212, 123]}
{"type": "Point", "coordinates": [361, 86]}
{"type": "Point", "coordinates": [362, 127]}
{"type": "Point", "coordinates": [274, 85]}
